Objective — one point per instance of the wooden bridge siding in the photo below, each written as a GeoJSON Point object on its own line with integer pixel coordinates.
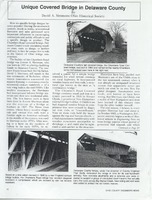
{"type": "Point", "coordinates": [112, 148]}
{"type": "Point", "coordinates": [90, 45]}
{"type": "Point", "coordinates": [14, 159]}
{"type": "Point", "coordinates": [11, 137]}
{"type": "Point", "coordinates": [29, 151]}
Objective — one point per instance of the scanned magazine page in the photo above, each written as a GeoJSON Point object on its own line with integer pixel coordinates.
{"type": "Point", "coordinates": [75, 99]}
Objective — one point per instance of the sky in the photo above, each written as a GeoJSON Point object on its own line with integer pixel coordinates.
{"type": "Point", "coordinates": [101, 24]}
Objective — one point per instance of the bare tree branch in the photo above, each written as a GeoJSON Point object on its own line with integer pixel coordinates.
{"type": "Point", "coordinates": [71, 30]}
{"type": "Point", "coordinates": [116, 29]}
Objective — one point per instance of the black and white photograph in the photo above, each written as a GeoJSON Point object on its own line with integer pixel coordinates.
{"type": "Point", "coordinates": [38, 151]}
{"type": "Point", "coordinates": [96, 42]}
{"type": "Point", "coordinates": [94, 150]}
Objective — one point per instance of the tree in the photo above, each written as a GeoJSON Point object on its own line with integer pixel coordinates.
{"type": "Point", "coordinates": [117, 29]}
{"type": "Point", "coordinates": [118, 40]}
{"type": "Point", "coordinates": [71, 31]}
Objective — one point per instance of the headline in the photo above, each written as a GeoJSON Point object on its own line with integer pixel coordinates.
{"type": "Point", "coordinates": [70, 7]}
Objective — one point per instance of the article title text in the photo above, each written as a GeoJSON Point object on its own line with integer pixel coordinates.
{"type": "Point", "coordinates": [71, 7]}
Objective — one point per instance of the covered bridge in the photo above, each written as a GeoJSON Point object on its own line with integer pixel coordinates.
{"type": "Point", "coordinates": [106, 147]}
{"type": "Point", "coordinates": [94, 38]}
{"type": "Point", "coordinates": [38, 150]}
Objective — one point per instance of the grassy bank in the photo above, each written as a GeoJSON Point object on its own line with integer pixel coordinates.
{"type": "Point", "coordinates": [96, 159]}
